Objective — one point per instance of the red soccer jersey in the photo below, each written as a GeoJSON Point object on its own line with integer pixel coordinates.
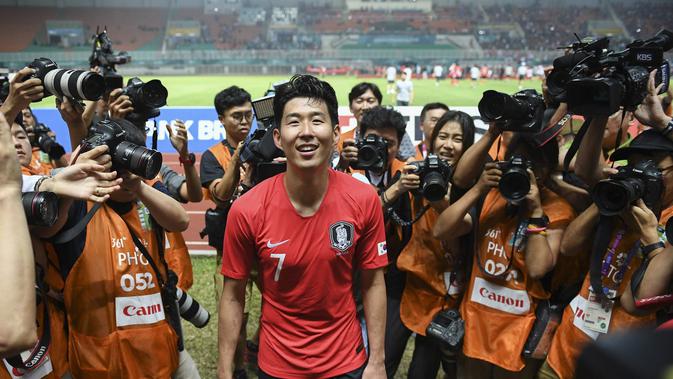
{"type": "Point", "coordinates": [309, 326]}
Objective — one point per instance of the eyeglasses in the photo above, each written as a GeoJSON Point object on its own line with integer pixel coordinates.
{"type": "Point", "coordinates": [238, 116]}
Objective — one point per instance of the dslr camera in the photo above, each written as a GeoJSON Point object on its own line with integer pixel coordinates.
{"type": "Point", "coordinates": [372, 154]}
{"type": "Point", "coordinates": [46, 143]}
{"type": "Point", "coordinates": [447, 327]}
{"type": "Point", "coordinates": [522, 112]}
{"type": "Point", "coordinates": [125, 155]}
{"type": "Point", "coordinates": [434, 174]}
{"type": "Point", "coordinates": [41, 208]}
{"type": "Point", "coordinates": [146, 98]}
{"type": "Point", "coordinates": [74, 84]}
{"type": "Point", "coordinates": [598, 81]}
{"type": "Point", "coordinates": [642, 180]}
{"type": "Point", "coordinates": [514, 183]}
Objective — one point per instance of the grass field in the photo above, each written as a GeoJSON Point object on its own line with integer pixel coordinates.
{"type": "Point", "coordinates": [202, 343]}
{"type": "Point", "coordinates": [200, 90]}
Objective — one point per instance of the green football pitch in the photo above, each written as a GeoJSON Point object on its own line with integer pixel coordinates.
{"type": "Point", "coordinates": [200, 90]}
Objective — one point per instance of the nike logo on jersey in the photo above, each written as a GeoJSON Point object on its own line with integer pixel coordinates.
{"type": "Point", "coordinates": [272, 245]}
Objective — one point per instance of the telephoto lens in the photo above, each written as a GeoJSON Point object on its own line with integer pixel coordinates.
{"type": "Point", "coordinates": [41, 208]}
{"type": "Point", "coordinates": [521, 112]}
{"type": "Point", "coordinates": [76, 84]}
{"type": "Point", "coordinates": [191, 310]}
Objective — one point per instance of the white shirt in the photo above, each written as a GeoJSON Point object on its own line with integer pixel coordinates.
{"type": "Point", "coordinates": [474, 72]}
{"type": "Point", "coordinates": [522, 70]}
{"type": "Point", "coordinates": [391, 72]}
{"type": "Point", "coordinates": [404, 88]}
{"type": "Point", "coordinates": [438, 70]}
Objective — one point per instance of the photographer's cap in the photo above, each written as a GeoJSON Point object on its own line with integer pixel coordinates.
{"type": "Point", "coordinates": [648, 142]}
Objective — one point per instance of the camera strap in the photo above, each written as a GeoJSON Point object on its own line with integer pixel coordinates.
{"type": "Point", "coordinates": [572, 151]}
{"type": "Point", "coordinates": [155, 135]}
{"type": "Point", "coordinates": [73, 232]}
{"type": "Point", "coordinates": [518, 237]}
{"type": "Point", "coordinates": [148, 257]}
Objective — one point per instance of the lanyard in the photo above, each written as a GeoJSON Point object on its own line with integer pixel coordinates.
{"type": "Point", "coordinates": [612, 251]}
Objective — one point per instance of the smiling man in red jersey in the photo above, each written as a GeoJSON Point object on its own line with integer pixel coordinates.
{"type": "Point", "coordinates": [308, 230]}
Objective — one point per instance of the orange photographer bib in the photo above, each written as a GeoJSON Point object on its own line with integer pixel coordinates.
{"type": "Point", "coordinates": [499, 308]}
{"type": "Point", "coordinates": [573, 333]}
{"type": "Point", "coordinates": [117, 325]}
{"type": "Point", "coordinates": [223, 156]}
{"type": "Point", "coordinates": [429, 265]}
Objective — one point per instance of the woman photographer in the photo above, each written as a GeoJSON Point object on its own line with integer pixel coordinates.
{"type": "Point", "coordinates": [432, 265]}
{"type": "Point", "coordinates": [520, 228]}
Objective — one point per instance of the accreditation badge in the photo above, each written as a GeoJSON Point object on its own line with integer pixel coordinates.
{"type": "Point", "coordinates": [597, 315]}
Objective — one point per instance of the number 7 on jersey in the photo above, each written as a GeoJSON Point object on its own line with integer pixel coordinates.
{"type": "Point", "coordinates": [281, 259]}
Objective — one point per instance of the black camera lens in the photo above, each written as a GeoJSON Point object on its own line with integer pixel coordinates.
{"type": "Point", "coordinates": [137, 159]}
{"type": "Point", "coordinates": [612, 197]}
{"type": "Point", "coordinates": [514, 184]}
{"type": "Point", "coordinates": [41, 208]}
{"type": "Point", "coordinates": [434, 186]}
{"type": "Point", "coordinates": [151, 95]}
{"type": "Point", "coordinates": [368, 156]}
{"type": "Point", "coordinates": [44, 142]}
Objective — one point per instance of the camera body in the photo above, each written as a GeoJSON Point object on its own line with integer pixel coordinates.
{"type": "Point", "coordinates": [75, 84]}
{"type": "Point", "coordinates": [434, 174]}
{"type": "Point", "coordinates": [46, 143]}
{"type": "Point", "coordinates": [514, 183]}
{"type": "Point", "coordinates": [447, 327]}
{"type": "Point", "coordinates": [146, 99]}
{"type": "Point", "coordinates": [372, 153]}
{"type": "Point", "coordinates": [125, 155]}
{"type": "Point", "coordinates": [522, 112]}
{"type": "Point", "coordinates": [41, 208]}
{"type": "Point", "coordinates": [642, 180]}
{"type": "Point", "coordinates": [596, 81]}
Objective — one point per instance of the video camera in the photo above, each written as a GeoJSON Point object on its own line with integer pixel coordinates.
{"type": "Point", "coordinates": [46, 143]}
{"type": "Point", "coordinates": [434, 174]}
{"type": "Point", "coordinates": [259, 148]}
{"type": "Point", "coordinates": [372, 154]}
{"type": "Point", "coordinates": [514, 183]}
{"type": "Point", "coordinates": [125, 155]}
{"type": "Point", "coordinates": [74, 84]}
{"type": "Point", "coordinates": [522, 112]}
{"type": "Point", "coordinates": [103, 57]}
{"type": "Point", "coordinates": [642, 180]}
{"type": "Point", "coordinates": [4, 84]}
{"type": "Point", "coordinates": [146, 98]}
{"type": "Point", "coordinates": [596, 81]}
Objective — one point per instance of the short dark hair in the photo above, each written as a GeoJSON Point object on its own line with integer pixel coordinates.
{"type": "Point", "coordinates": [363, 87]}
{"type": "Point", "coordinates": [305, 86]}
{"type": "Point", "coordinates": [378, 118]}
{"type": "Point", "coordinates": [133, 133]}
{"type": "Point", "coordinates": [466, 125]}
{"type": "Point", "coordinates": [230, 97]}
{"type": "Point", "coordinates": [431, 106]}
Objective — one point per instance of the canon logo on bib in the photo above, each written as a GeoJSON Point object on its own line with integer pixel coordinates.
{"type": "Point", "coordinates": [139, 310]}
{"type": "Point", "coordinates": [501, 298]}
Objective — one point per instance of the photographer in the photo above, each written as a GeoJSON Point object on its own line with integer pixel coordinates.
{"type": "Point", "coordinates": [430, 114]}
{"type": "Point", "coordinates": [46, 151]}
{"type": "Point", "coordinates": [21, 93]}
{"type": "Point", "coordinates": [17, 331]}
{"type": "Point", "coordinates": [435, 269]}
{"type": "Point", "coordinates": [362, 97]}
{"type": "Point", "coordinates": [221, 176]}
{"type": "Point", "coordinates": [309, 325]}
{"type": "Point", "coordinates": [116, 310]}
{"type": "Point", "coordinates": [522, 223]}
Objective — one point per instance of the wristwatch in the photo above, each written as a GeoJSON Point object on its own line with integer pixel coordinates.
{"type": "Point", "coordinates": [647, 249]}
{"type": "Point", "coordinates": [542, 222]}
{"type": "Point", "coordinates": [191, 159]}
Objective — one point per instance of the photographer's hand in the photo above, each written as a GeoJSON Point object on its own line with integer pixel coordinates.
{"type": "Point", "coordinates": [490, 178]}
{"type": "Point", "coordinates": [645, 221]}
{"type": "Point", "coordinates": [650, 112]}
{"type": "Point", "coordinates": [73, 119]}
{"type": "Point", "coordinates": [349, 154]}
{"type": "Point", "coordinates": [190, 189]}
{"type": "Point", "coordinates": [408, 181]}
{"type": "Point", "coordinates": [533, 200]}
{"type": "Point", "coordinates": [120, 105]}
{"type": "Point", "coordinates": [21, 93]}
{"type": "Point", "coordinates": [83, 181]}
{"type": "Point", "coordinates": [223, 189]}
{"type": "Point", "coordinates": [179, 138]}
{"type": "Point", "coordinates": [97, 155]}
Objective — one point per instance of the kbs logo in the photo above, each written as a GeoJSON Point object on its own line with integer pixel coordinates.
{"type": "Point", "coordinates": [501, 298]}
{"type": "Point", "coordinates": [139, 310]}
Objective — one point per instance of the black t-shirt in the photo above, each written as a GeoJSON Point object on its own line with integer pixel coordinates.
{"type": "Point", "coordinates": [69, 252]}
{"type": "Point", "coordinates": [211, 169]}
